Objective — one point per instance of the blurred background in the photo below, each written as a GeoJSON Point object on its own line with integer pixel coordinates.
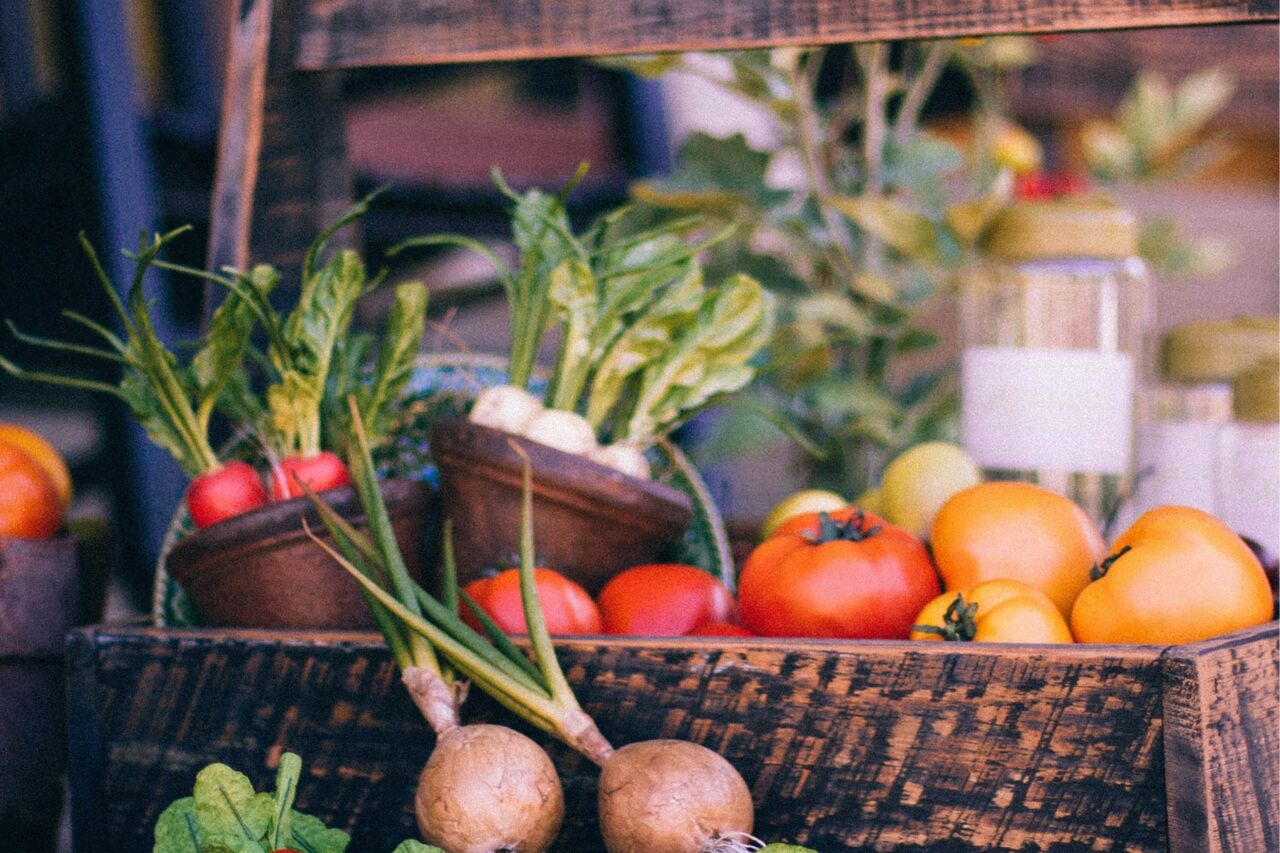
{"type": "Point", "coordinates": [108, 125]}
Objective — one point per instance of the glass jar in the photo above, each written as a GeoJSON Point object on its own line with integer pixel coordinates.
{"type": "Point", "coordinates": [1053, 316]}
{"type": "Point", "coordinates": [1248, 494]}
{"type": "Point", "coordinates": [1181, 437]}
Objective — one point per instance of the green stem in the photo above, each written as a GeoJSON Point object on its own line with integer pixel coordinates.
{"type": "Point", "coordinates": [1099, 571]}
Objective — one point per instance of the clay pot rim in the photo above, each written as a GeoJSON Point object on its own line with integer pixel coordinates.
{"type": "Point", "coordinates": [269, 526]}
{"type": "Point", "coordinates": [556, 470]}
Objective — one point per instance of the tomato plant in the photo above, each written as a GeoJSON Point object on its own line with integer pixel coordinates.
{"type": "Point", "coordinates": [320, 471]}
{"type": "Point", "coordinates": [995, 611]}
{"type": "Point", "coordinates": [566, 606]}
{"type": "Point", "coordinates": [1019, 531]}
{"type": "Point", "coordinates": [228, 490]}
{"type": "Point", "coordinates": [663, 600]}
{"type": "Point", "coordinates": [1178, 575]}
{"type": "Point", "coordinates": [846, 574]}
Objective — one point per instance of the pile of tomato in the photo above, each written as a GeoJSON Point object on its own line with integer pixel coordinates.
{"type": "Point", "coordinates": [1004, 562]}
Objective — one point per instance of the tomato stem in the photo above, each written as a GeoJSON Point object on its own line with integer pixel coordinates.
{"type": "Point", "coordinates": [958, 623]}
{"type": "Point", "coordinates": [853, 529]}
{"type": "Point", "coordinates": [1100, 570]}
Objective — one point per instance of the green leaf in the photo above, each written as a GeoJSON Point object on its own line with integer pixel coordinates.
{"type": "Point", "coordinates": [921, 158]}
{"type": "Point", "coordinates": [573, 293]}
{"type": "Point", "coordinates": [229, 811]}
{"type": "Point", "coordinates": [648, 65]}
{"type": "Point", "coordinates": [710, 356]}
{"type": "Point", "coordinates": [412, 846]}
{"type": "Point", "coordinates": [786, 848]}
{"type": "Point", "coordinates": [287, 776]}
{"type": "Point", "coordinates": [177, 830]}
{"type": "Point", "coordinates": [893, 222]}
{"type": "Point", "coordinates": [401, 341]}
{"type": "Point", "coordinates": [715, 172]}
{"type": "Point", "coordinates": [312, 836]}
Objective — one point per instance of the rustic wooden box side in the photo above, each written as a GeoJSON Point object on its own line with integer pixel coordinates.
{"type": "Point", "coordinates": [878, 745]}
{"type": "Point", "coordinates": [1222, 743]}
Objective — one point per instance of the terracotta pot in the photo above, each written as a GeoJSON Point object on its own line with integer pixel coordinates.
{"type": "Point", "coordinates": [589, 521]}
{"type": "Point", "coordinates": [259, 569]}
{"type": "Point", "coordinates": [39, 603]}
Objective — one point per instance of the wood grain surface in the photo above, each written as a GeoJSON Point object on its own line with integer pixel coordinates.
{"type": "Point", "coordinates": [869, 745]}
{"type": "Point", "coordinates": [345, 33]}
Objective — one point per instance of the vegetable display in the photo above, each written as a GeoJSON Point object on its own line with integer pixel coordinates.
{"type": "Point", "coordinates": [644, 343]}
{"type": "Point", "coordinates": [1178, 575]}
{"type": "Point", "coordinates": [312, 359]}
{"type": "Point", "coordinates": [673, 796]}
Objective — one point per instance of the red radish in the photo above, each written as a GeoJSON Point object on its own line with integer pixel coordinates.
{"type": "Point", "coordinates": [320, 471]}
{"type": "Point", "coordinates": [223, 492]}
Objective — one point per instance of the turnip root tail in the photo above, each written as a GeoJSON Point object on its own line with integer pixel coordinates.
{"type": "Point", "coordinates": [487, 789]}
{"type": "Point", "coordinates": [672, 796]}
{"type": "Point", "coordinates": [734, 842]}
{"type": "Point", "coordinates": [438, 702]}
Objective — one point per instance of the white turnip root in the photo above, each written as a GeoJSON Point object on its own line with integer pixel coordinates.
{"type": "Point", "coordinates": [488, 788]}
{"type": "Point", "coordinates": [567, 431]}
{"type": "Point", "coordinates": [624, 458]}
{"type": "Point", "coordinates": [671, 796]}
{"type": "Point", "coordinates": [505, 407]}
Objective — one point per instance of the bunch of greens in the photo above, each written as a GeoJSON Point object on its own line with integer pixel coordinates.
{"type": "Point", "coordinates": [225, 815]}
{"type": "Point", "coordinates": [312, 360]}
{"type": "Point", "coordinates": [644, 342]}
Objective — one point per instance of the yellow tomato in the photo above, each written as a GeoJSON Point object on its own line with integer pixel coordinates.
{"type": "Point", "coordinates": [44, 454]}
{"type": "Point", "coordinates": [994, 611]}
{"type": "Point", "coordinates": [1019, 531]}
{"type": "Point", "coordinates": [1178, 575]}
{"type": "Point", "coordinates": [808, 500]}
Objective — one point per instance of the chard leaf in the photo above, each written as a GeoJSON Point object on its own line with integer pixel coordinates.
{"type": "Point", "coordinates": [287, 776]}
{"type": "Point", "coordinates": [228, 810]}
{"type": "Point", "coordinates": [642, 342]}
{"type": "Point", "coordinates": [574, 295]}
{"type": "Point", "coordinates": [400, 343]}
{"type": "Point", "coordinates": [149, 412]}
{"type": "Point", "coordinates": [312, 836]}
{"type": "Point", "coordinates": [177, 830]}
{"type": "Point", "coordinates": [218, 360]}
{"type": "Point", "coordinates": [710, 357]}
{"type": "Point", "coordinates": [411, 846]}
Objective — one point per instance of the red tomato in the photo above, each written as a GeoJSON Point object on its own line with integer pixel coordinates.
{"type": "Point", "coordinates": [663, 600]}
{"type": "Point", "coordinates": [720, 629]}
{"type": "Point", "coordinates": [224, 492]}
{"type": "Point", "coordinates": [322, 471]}
{"type": "Point", "coordinates": [844, 574]}
{"type": "Point", "coordinates": [567, 608]}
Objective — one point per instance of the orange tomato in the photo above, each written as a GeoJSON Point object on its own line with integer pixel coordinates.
{"type": "Point", "coordinates": [29, 504]}
{"type": "Point", "coordinates": [994, 611]}
{"type": "Point", "coordinates": [1018, 531]}
{"type": "Point", "coordinates": [35, 446]}
{"type": "Point", "coordinates": [1178, 575]}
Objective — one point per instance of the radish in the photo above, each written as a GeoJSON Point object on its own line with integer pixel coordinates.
{"type": "Point", "coordinates": [505, 407]}
{"type": "Point", "coordinates": [625, 458]}
{"type": "Point", "coordinates": [319, 471]}
{"type": "Point", "coordinates": [567, 431]}
{"type": "Point", "coordinates": [224, 492]}
{"type": "Point", "coordinates": [660, 796]}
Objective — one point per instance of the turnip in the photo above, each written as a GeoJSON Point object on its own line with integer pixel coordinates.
{"type": "Point", "coordinates": [660, 796]}
{"type": "Point", "coordinates": [625, 458]}
{"type": "Point", "coordinates": [485, 788]}
{"type": "Point", "coordinates": [505, 407]}
{"type": "Point", "coordinates": [567, 431]}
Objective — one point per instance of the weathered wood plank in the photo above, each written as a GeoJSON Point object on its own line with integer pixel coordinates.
{"type": "Point", "coordinates": [1222, 743]}
{"type": "Point", "coordinates": [345, 33]}
{"type": "Point", "coordinates": [877, 746]}
{"type": "Point", "coordinates": [282, 169]}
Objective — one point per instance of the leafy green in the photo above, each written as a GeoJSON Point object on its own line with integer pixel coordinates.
{"type": "Point", "coordinates": [786, 848]}
{"type": "Point", "coordinates": [226, 815]}
{"type": "Point", "coordinates": [412, 846]}
{"type": "Point", "coordinates": [177, 830]}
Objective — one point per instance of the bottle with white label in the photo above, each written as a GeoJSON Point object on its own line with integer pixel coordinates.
{"type": "Point", "coordinates": [1054, 317]}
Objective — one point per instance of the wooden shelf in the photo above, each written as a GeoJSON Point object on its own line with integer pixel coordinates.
{"type": "Point", "coordinates": [350, 33]}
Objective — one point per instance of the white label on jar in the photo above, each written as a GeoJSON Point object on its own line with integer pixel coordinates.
{"type": "Point", "coordinates": [1047, 409]}
{"type": "Point", "coordinates": [1249, 487]}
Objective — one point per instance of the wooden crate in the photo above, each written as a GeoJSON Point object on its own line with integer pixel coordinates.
{"type": "Point", "coordinates": [887, 746]}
